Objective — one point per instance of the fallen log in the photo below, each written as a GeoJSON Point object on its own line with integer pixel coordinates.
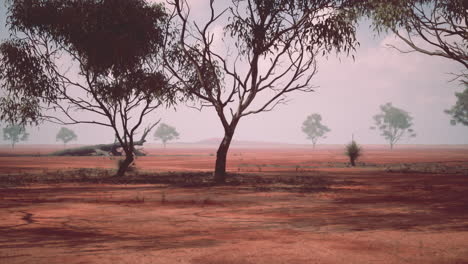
{"type": "Point", "coordinates": [97, 150]}
{"type": "Point", "coordinates": [103, 149]}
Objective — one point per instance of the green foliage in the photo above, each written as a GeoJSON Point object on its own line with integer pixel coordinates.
{"type": "Point", "coordinates": [314, 129]}
{"type": "Point", "coordinates": [268, 29]}
{"type": "Point", "coordinates": [15, 133]}
{"type": "Point", "coordinates": [440, 24]}
{"type": "Point", "coordinates": [166, 133]}
{"type": "Point", "coordinates": [109, 36]}
{"type": "Point", "coordinates": [353, 151]}
{"type": "Point", "coordinates": [109, 43]}
{"type": "Point", "coordinates": [66, 135]}
{"type": "Point", "coordinates": [409, 14]}
{"type": "Point", "coordinates": [25, 79]}
{"type": "Point", "coordinates": [394, 123]}
{"type": "Point", "coordinates": [459, 112]}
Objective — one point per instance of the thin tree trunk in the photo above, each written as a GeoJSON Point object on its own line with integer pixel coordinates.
{"type": "Point", "coordinates": [353, 163]}
{"type": "Point", "coordinates": [221, 156]}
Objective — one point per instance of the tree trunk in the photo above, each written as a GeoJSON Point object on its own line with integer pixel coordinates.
{"type": "Point", "coordinates": [124, 164]}
{"type": "Point", "coordinates": [353, 163]}
{"type": "Point", "coordinates": [221, 155]}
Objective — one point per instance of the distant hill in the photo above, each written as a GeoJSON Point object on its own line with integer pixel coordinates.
{"type": "Point", "coordinates": [217, 141]}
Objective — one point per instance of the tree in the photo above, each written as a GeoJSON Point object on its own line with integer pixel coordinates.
{"type": "Point", "coordinates": [165, 133]}
{"type": "Point", "coordinates": [459, 111]}
{"type": "Point", "coordinates": [432, 27]}
{"type": "Point", "coordinates": [393, 123]}
{"type": "Point", "coordinates": [353, 151]}
{"type": "Point", "coordinates": [113, 69]}
{"type": "Point", "coordinates": [314, 129]}
{"type": "Point", "coordinates": [271, 48]}
{"type": "Point", "coordinates": [15, 133]}
{"type": "Point", "coordinates": [65, 135]}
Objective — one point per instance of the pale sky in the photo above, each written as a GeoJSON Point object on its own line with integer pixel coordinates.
{"type": "Point", "coordinates": [349, 94]}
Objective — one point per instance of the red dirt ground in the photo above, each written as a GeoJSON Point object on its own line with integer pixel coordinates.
{"type": "Point", "coordinates": [381, 212]}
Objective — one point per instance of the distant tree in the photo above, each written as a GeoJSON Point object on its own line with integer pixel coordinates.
{"type": "Point", "coordinates": [459, 111]}
{"type": "Point", "coordinates": [99, 57]}
{"type": "Point", "coordinates": [314, 129]}
{"type": "Point", "coordinates": [15, 133]}
{"type": "Point", "coordinates": [66, 135]}
{"type": "Point", "coordinates": [394, 123]}
{"type": "Point", "coordinates": [165, 133]}
{"type": "Point", "coordinates": [353, 151]}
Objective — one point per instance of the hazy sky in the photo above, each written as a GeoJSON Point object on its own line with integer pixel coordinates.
{"type": "Point", "coordinates": [349, 94]}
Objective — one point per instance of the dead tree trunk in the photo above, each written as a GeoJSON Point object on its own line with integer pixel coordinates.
{"type": "Point", "coordinates": [99, 149]}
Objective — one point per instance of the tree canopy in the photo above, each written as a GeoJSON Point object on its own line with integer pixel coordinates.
{"type": "Point", "coordinates": [432, 27]}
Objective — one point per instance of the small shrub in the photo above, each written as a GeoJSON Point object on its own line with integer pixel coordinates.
{"type": "Point", "coordinates": [353, 151]}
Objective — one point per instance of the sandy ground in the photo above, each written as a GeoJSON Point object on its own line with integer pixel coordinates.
{"type": "Point", "coordinates": [401, 206]}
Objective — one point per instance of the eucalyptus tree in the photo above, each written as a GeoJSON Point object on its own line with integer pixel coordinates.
{"type": "Point", "coordinates": [271, 50]}
{"type": "Point", "coordinates": [314, 129]}
{"type": "Point", "coordinates": [165, 133]}
{"type": "Point", "coordinates": [85, 61]}
{"type": "Point", "coordinates": [15, 133]}
{"type": "Point", "coordinates": [436, 28]}
{"type": "Point", "coordinates": [432, 27]}
{"type": "Point", "coordinates": [66, 135]}
{"type": "Point", "coordinates": [393, 123]}
{"type": "Point", "coordinates": [459, 112]}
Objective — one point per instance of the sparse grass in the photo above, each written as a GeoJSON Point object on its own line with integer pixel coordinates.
{"type": "Point", "coordinates": [181, 179]}
{"type": "Point", "coordinates": [299, 178]}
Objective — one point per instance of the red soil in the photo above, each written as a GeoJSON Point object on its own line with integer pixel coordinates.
{"type": "Point", "coordinates": [367, 215]}
{"type": "Point", "coordinates": [242, 160]}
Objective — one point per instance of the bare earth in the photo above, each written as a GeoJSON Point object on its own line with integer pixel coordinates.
{"type": "Point", "coordinates": [409, 205]}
